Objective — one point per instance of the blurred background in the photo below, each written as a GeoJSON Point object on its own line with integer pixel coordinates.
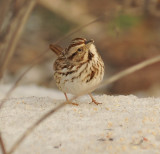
{"type": "Point", "coordinates": [126, 32]}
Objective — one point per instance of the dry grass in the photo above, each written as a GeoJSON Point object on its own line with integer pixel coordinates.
{"type": "Point", "coordinates": [15, 29]}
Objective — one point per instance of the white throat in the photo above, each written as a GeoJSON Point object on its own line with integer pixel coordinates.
{"type": "Point", "coordinates": [93, 50]}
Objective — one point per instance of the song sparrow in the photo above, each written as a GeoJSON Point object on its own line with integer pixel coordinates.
{"type": "Point", "coordinates": [78, 68]}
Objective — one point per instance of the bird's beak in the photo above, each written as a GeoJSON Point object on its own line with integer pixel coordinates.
{"type": "Point", "coordinates": [89, 41]}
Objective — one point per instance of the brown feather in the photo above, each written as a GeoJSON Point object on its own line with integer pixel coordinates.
{"type": "Point", "coordinates": [56, 49]}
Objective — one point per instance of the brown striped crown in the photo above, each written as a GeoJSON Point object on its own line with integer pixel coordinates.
{"type": "Point", "coordinates": [76, 42]}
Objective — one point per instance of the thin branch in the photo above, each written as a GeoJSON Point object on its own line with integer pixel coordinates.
{"type": "Point", "coordinates": [78, 29]}
{"type": "Point", "coordinates": [130, 70]}
{"type": "Point", "coordinates": [104, 83]}
{"type": "Point", "coordinates": [2, 145]}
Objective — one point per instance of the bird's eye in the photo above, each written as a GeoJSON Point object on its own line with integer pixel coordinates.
{"type": "Point", "coordinates": [80, 49]}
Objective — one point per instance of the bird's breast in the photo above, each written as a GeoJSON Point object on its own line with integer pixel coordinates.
{"type": "Point", "coordinates": [79, 78]}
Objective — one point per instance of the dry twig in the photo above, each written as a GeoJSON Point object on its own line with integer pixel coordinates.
{"type": "Point", "coordinates": [130, 70]}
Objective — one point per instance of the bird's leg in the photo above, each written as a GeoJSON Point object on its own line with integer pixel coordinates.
{"type": "Point", "coordinates": [93, 100]}
{"type": "Point", "coordinates": [69, 102]}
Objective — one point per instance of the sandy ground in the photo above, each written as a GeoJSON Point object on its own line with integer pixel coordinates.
{"type": "Point", "coordinates": [121, 124]}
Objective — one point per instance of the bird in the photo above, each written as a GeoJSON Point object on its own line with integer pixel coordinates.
{"type": "Point", "coordinates": [78, 68]}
